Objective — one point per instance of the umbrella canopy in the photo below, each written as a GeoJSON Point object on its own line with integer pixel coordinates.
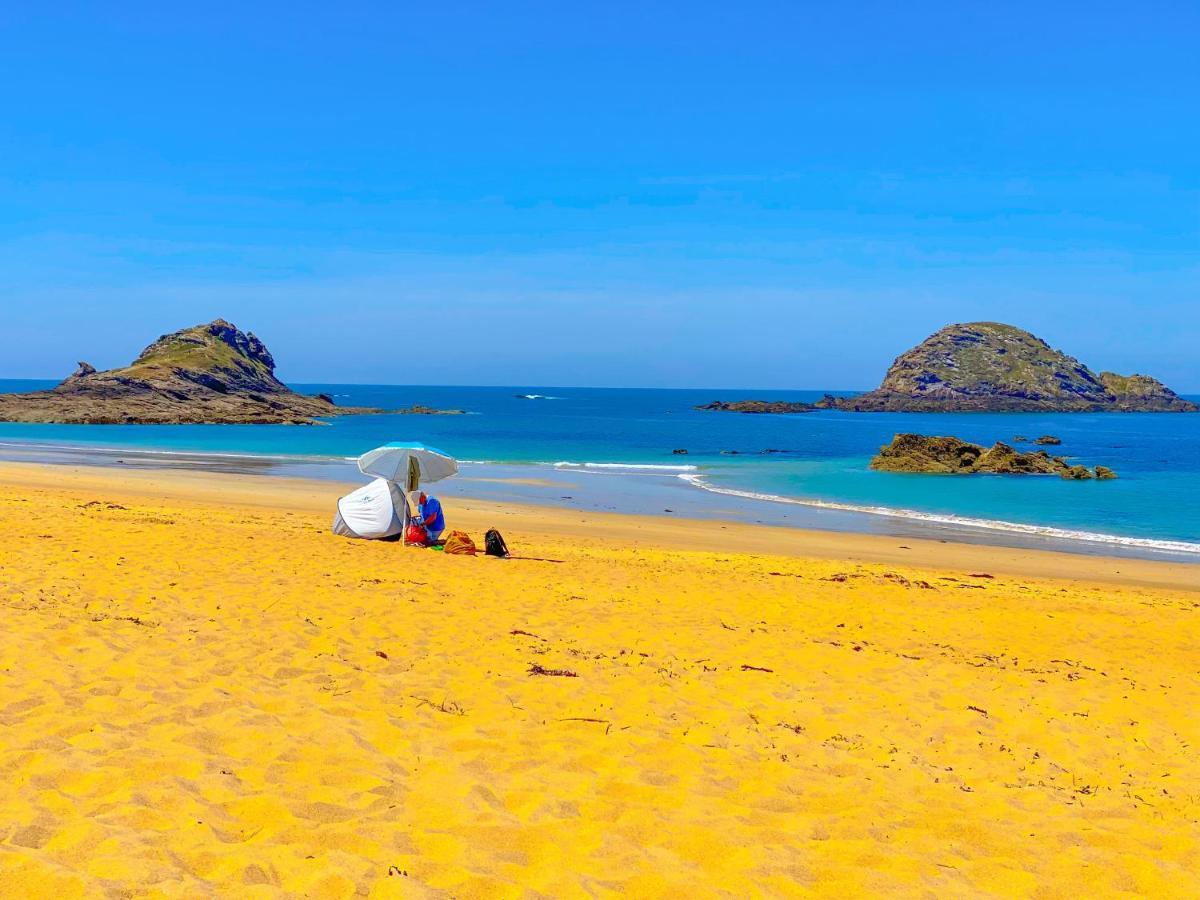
{"type": "Point", "coordinates": [409, 464]}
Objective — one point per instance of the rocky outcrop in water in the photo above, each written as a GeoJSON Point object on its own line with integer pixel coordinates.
{"type": "Point", "coordinates": [951, 456]}
{"type": "Point", "coordinates": [759, 406]}
{"type": "Point", "coordinates": [992, 367]}
{"type": "Point", "coordinates": [207, 374]}
{"type": "Point", "coordinates": [418, 410]}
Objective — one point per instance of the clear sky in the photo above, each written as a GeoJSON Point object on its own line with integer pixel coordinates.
{"type": "Point", "coordinates": [742, 194]}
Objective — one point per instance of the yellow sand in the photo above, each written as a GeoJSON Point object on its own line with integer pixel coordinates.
{"type": "Point", "coordinates": [204, 692]}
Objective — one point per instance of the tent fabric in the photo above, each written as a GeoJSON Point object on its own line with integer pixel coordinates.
{"type": "Point", "coordinates": [411, 464]}
{"type": "Point", "coordinates": [376, 510]}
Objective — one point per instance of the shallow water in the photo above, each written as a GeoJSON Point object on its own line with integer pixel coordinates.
{"type": "Point", "coordinates": [818, 477]}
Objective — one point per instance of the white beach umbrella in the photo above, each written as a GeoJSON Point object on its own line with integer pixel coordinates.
{"type": "Point", "coordinates": [409, 464]}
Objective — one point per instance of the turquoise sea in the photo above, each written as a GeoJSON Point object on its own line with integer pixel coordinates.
{"type": "Point", "coordinates": [556, 445]}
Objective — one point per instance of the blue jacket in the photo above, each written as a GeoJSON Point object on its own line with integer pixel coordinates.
{"type": "Point", "coordinates": [431, 515]}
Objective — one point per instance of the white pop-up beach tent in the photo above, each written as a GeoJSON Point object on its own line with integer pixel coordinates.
{"type": "Point", "coordinates": [375, 510]}
{"type": "Point", "coordinates": [380, 510]}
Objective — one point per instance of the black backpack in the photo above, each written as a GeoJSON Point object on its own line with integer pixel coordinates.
{"type": "Point", "coordinates": [493, 544]}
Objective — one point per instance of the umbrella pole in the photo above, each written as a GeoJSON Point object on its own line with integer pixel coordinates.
{"type": "Point", "coordinates": [411, 481]}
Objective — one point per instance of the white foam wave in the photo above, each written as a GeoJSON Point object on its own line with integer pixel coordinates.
{"type": "Point", "coordinates": [1047, 531]}
{"type": "Point", "coordinates": [615, 467]}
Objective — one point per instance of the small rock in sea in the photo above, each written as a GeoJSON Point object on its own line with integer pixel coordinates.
{"type": "Point", "coordinates": [950, 455]}
{"type": "Point", "coordinates": [730, 452]}
{"type": "Point", "coordinates": [418, 409]}
{"type": "Point", "coordinates": [1104, 473]}
{"type": "Point", "coordinates": [679, 452]}
{"type": "Point", "coordinates": [1077, 473]}
{"type": "Point", "coordinates": [1048, 440]}
{"type": "Point", "coordinates": [1020, 439]}
{"type": "Point", "coordinates": [759, 406]}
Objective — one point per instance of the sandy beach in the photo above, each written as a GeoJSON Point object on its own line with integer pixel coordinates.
{"type": "Point", "coordinates": [204, 692]}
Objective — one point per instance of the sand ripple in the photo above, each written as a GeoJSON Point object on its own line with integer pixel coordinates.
{"type": "Point", "coordinates": [202, 698]}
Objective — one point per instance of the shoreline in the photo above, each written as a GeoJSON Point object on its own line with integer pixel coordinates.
{"type": "Point", "coordinates": [530, 522]}
{"type": "Point", "coordinates": [676, 490]}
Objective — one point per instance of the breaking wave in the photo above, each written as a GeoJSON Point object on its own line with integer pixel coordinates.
{"type": "Point", "coordinates": [1047, 531]}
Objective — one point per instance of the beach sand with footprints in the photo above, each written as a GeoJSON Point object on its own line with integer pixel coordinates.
{"type": "Point", "coordinates": [203, 691]}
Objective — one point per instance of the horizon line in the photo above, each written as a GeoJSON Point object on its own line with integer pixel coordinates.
{"type": "Point", "coordinates": [567, 387]}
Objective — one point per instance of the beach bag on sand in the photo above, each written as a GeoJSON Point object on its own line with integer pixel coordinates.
{"type": "Point", "coordinates": [416, 535]}
{"type": "Point", "coordinates": [493, 544]}
{"type": "Point", "coordinates": [459, 542]}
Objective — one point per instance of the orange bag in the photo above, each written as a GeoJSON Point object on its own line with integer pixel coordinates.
{"type": "Point", "coordinates": [459, 542]}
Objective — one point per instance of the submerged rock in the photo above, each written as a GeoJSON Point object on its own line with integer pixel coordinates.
{"type": "Point", "coordinates": [952, 456]}
{"type": "Point", "coordinates": [990, 366]}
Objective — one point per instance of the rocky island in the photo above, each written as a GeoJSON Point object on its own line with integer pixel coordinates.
{"type": "Point", "coordinates": [992, 367]}
{"type": "Point", "coordinates": [207, 374]}
{"type": "Point", "coordinates": [952, 456]}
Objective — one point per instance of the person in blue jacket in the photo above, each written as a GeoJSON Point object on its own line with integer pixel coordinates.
{"type": "Point", "coordinates": [430, 517]}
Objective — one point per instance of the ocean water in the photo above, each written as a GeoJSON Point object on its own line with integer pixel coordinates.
{"type": "Point", "coordinates": [552, 445]}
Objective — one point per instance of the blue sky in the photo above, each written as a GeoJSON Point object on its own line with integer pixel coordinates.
{"type": "Point", "coordinates": [767, 195]}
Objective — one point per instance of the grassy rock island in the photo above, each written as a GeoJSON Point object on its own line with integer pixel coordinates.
{"type": "Point", "coordinates": [207, 374]}
{"type": "Point", "coordinates": [989, 367]}
{"type": "Point", "coordinates": [992, 367]}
